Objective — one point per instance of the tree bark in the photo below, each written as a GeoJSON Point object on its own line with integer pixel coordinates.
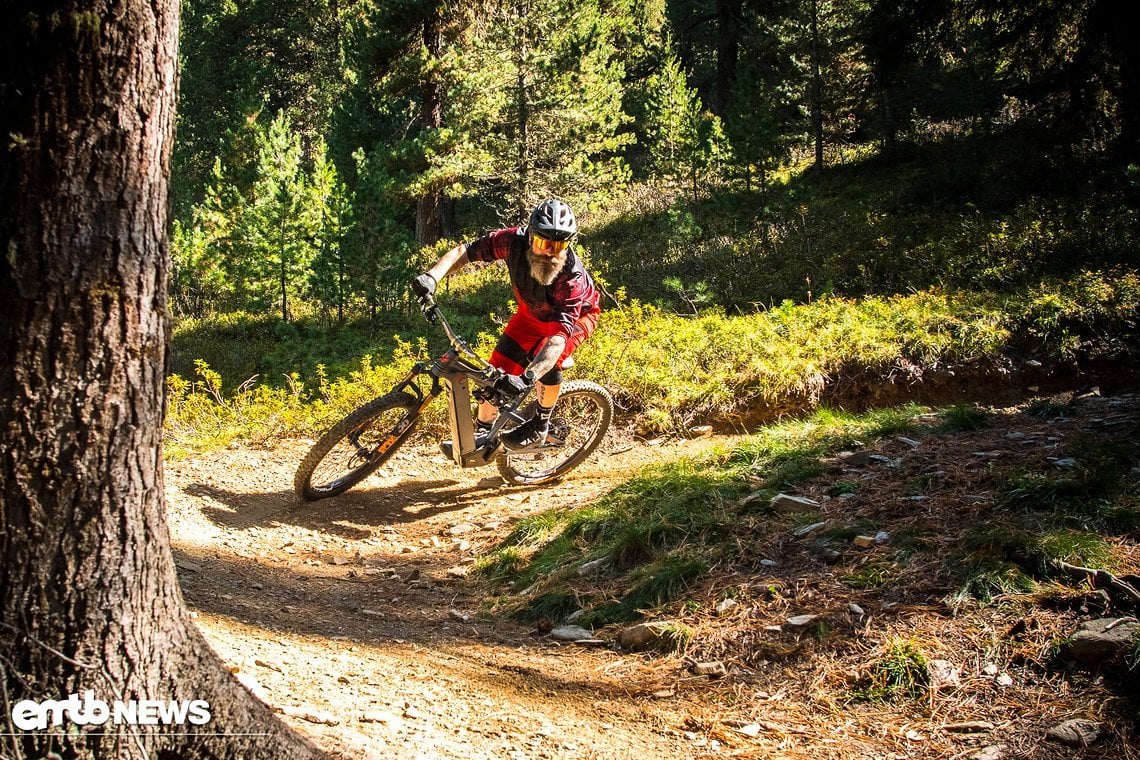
{"type": "Point", "coordinates": [283, 271]}
{"type": "Point", "coordinates": [522, 88]}
{"type": "Point", "coordinates": [429, 209]}
{"type": "Point", "coordinates": [88, 593]}
{"type": "Point", "coordinates": [816, 86]}
{"type": "Point", "coordinates": [730, 19]}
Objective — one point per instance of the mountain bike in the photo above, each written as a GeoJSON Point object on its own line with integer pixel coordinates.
{"type": "Point", "coordinates": [365, 440]}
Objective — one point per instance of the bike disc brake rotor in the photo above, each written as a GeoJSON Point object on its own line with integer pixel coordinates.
{"type": "Point", "coordinates": [355, 451]}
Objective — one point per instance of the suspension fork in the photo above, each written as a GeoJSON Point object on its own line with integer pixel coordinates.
{"type": "Point", "coordinates": [407, 385]}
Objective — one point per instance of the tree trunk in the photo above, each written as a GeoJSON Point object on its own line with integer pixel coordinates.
{"type": "Point", "coordinates": [87, 582]}
{"type": "Point", "coordinates": [429, 210]}
{"type": "Point", "coordinates": [523, 125]}
{"type": "Point", "coordinates": [447, 224]}
{"type": "Point", "coordinates": [730, 19]}
{"type": "Point", "coordinates": [283, 273]}
{"type": "Point", "coordinates": [816, 87]}
{"type": "Point", "coordinates": [339, 288]}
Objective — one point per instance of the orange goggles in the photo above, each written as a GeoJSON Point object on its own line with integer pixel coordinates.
{"type": "Point", "coordinates": [548, 247]}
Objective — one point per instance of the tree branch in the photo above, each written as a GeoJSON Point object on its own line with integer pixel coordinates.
{"type": "Point", "coordinates": [1101, 579]}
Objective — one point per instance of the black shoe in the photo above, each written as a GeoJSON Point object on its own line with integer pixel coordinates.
{"type": "Point", "coordinates": [447, 446]}
{"type": "Point", "coordinates": [530, 433]}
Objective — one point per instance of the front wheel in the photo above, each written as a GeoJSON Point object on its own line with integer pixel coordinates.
{"type": "Point", "coordinates": [580, 421]}
{"type": "Point", "coordinates": [356, 446]}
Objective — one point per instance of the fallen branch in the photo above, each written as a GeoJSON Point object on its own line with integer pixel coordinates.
{"type": "Point", "coordinates": [1097, 578]}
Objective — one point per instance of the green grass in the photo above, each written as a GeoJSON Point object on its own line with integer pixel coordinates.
{"type": "Point", "coordinates": [986, 576]}
{"type": "Point", "coordinates": [843, 488]}
{"type": "Point", "coordinates": [1014, 557]}
{"type": "Point", "coordinates": [662, 530]}
{"type": "Point", "coordinates": [1074, 547]}
{"type": "Point", "coordinates": [873, 575]}
{"type": "Point", "coordinates": [553, 607]}
{"type": "Point", "coordinates": [1132, 658]}
{"type": "Point", "coordinates": [789, 452]}
{"type": "Point", "coordinates": [648, 517]}
{"type": "Point", "coordinates": [667, 372]}
{"type": "Point", "coordinates": [898, 672]}
{"type": "Point", "coordinates": [664, 580]}
{"type": "Point", "coordinates": [962, 418]}
{"type": "Point", "coordinates": [1050, 409]}
{"type": "Point", "coordinates": [715, 365]}
{"type": "Point", "coordinates": [1089, 494]}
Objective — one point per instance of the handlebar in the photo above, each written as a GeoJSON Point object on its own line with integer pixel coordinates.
{"type": "Point", "coordinates": [433, 315]}
{"type": "Point", "coordinates": [490, 373]}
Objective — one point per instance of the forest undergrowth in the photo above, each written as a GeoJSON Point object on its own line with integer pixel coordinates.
{"type": "Point", "coordinates": [672, 372]}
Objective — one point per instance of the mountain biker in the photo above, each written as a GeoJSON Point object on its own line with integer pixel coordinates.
{"type": "Point", "coordinates": [558, 308]}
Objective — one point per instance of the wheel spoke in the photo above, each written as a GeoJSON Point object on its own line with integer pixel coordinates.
{"type": "Point", "coordinates": [354, 455]}
{"type": "Point", "coordinates": [576, 424]}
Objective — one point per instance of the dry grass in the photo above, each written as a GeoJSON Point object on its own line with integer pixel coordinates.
{"type": "Point", "coordinates": [818, 690]}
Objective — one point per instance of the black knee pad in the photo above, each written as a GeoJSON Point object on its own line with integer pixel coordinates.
{"type": "Point", "coordinates": [553, 377]}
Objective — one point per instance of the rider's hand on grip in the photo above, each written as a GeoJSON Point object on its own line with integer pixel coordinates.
{"type": "Point", "coordinates": [424, 285]}
{"type": "Point", "coordinates": [512, 386]}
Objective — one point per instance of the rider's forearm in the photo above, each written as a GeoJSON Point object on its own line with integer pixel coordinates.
{"type": "Point", "coordinates": [548, 356]}
{"type": "Point", "coordinates": [452, 261]}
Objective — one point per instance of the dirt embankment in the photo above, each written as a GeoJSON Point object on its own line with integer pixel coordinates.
{"type": "Point", "coordinates": [999, 381]}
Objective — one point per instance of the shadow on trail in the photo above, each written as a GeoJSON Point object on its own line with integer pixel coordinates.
{"type": "Point", "coordinates": [368, 609]}
{"type": "Point", "coordinates": [410, 635]}
{"type": "Point", "coordinates": [410, 602]}
{"type": "Point", "coordinates": [374, 564]}
{"type": "Point", "coordinates": [349, 514]}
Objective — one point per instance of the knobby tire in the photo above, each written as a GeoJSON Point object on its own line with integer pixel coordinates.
{"type": "Point", "coordinates": [582, 396]}
{"type": "Point", "coordinates": [368, 419]}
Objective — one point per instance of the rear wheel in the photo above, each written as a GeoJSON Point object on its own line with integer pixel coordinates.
{"type": "Point", "coordinates": [356, 446]}
{"type": "Point", "coordinates": [580, 421]}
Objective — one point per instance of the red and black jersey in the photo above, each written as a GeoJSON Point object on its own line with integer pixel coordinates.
{"type": "Point", "coordinates": [568, 300]}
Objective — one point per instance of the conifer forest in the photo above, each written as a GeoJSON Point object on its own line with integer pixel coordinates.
{"type": "Point", "coordinates": [325, 149]}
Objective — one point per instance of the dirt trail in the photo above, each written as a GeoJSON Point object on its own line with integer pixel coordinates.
{"type": "Point", "coordinates": [354, 616]}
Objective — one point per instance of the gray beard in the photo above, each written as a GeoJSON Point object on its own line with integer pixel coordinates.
{"type": "Point", "coordinates": [546, 269]}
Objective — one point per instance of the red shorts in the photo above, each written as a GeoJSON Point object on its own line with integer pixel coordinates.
{"type": "Point", "coordinates": [525, 335]}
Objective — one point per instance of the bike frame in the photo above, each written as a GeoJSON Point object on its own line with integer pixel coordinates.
{"type": "Point", "coordinates": [452, 374]}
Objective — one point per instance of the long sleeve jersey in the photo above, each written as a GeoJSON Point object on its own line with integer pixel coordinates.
{"type": "Point", "coordinates": [567, 300]}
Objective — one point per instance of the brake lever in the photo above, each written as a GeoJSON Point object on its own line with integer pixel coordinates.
{"type": "Point", "coordinates": [427, 307]}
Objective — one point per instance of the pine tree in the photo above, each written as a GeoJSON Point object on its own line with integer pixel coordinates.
{"type": "Point", "coordinates": [207, 272]}
{"type": "Point", "coordinates": [685, 141]}
{"type": "Point", "coordinates": [557, 82]}
{"type": "Point", "coordinates": [401, 62]}
{"type": "Point", "coordinates": [742, 60]}
{"type": "Point", "coordinates": [378, 251]}
{"type": "Point", "coordinates": [329, 283]}
{"type": "Point", "coordinates": [765, 118]}
{"type": "Point", "coordinates": [280, 229]}
{"type": "Point", "coordinates": [241, 59]}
